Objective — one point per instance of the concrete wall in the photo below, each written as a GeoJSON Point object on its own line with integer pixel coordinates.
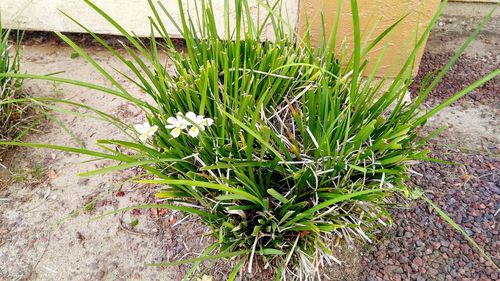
{"type": "Point", "coordinates": [45, 15]}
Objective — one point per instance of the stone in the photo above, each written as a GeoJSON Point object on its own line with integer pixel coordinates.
{"type": "Point", "coordinates": [436, 245]}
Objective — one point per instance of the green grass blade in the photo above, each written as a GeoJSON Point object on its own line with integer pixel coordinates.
{"type": "Point", "coordinates": [155, 206]}
{"type": "Point", "coordinates": [127, 166]}
{"type": "Point", "coordinates": [68, 149]}
{"type": "Point", "coordinates": [451, 222]}
{"type": "Point", "coordinates": [209, 185]}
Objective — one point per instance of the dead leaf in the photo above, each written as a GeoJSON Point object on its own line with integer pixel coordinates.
{"type": "Point", "coordinates": [206, 278]}
{"type": "Point", "coordinates": [120, 194]}
{"type": "Point", "coordinates": [172, 220]}
{"type": "Point", "coordinates": [163, 212]}
{"type": "Point", "coordinates": [154, 213]}
{"type": "Point", "coordinates": [491, 167]}
{"type": "Point", "coordinates": [52, 174]}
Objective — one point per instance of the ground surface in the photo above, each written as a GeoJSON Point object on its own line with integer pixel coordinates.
{"type": "Point", "coordinates": [420, 245]}
{"type": "Point", "coordinates": [43, 189]}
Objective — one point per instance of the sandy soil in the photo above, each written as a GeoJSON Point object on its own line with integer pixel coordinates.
{"type": "Point", "coordinates": [34, 245]}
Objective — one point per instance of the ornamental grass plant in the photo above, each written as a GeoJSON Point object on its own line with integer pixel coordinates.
{"type": "Point", "coordinates": [281, 148]}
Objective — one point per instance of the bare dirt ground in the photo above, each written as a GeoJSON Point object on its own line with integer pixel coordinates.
{"type": "Point", "coordinates": [39, 189]}
{"type": "Point", "coordinates": [33, 245]}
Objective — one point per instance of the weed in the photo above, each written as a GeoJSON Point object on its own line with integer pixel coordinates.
{"type": "Point", "coordinates": [134, 223]}
{"type": "Point", "coordinates": [29, 176]}
{"type": "Point", "coordinates": [89, 207]}
{"type": "Point", "coordinates": [16, 118]}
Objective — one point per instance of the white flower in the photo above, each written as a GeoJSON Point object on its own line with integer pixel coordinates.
{"type": "Point", "coordinates": [191, 120]}
{"type": "Point", "coordinates": [199, 123]}
{"type": "Point", "coordinates": [177, 124]}
{"type": "Point", "coordinates": [145, 130]}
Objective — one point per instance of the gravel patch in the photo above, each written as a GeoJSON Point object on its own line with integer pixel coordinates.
{"type": "Point", "coordinates": [466, 71]}
{"type": "Point", "coordinates": [422, 246]}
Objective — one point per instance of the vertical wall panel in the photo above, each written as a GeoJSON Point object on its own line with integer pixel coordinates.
{"type": "Point", "coordinates": [375, 17]}
{"type": "Point", "coordinates": [44, 15]}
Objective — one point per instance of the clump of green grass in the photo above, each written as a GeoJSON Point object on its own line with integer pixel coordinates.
{"type": "Point", "coordinates": [279, 147]}
{"type": "Point", "coordinates": [15, 117]}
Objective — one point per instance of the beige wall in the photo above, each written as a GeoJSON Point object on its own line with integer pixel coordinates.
{"type": "Point", "coordinates": [379, 13]}
{"type": "Point", "coordinates": [44, 15]}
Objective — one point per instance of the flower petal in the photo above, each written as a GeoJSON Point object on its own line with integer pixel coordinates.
{"type": "Point", "coordinates": [183, 124]}
{"type": "Point", "coordinates": [176, 132]}
{"type": "Point", "coordinates": [191, 116]}
{"type": "Point", "coordinates": [194, 131]}
{"type": "Point", "coordinates": [172, 120]}
{"type": "Point", "coordinates": [209, 121]}
{"type": "Point", "coordinates": [140, 128]}
{"type": "Point", "coordinates": [143, 137]}
{"type": "Point", "coordinates": [180, 121]}
{"type": "Point", "coordinates": [152, 130]}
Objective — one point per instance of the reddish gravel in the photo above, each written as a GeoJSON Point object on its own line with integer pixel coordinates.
{"type": "Point", "coordinates": [466, 71]}
{"type": "Point", "coordinates": [421, 246]}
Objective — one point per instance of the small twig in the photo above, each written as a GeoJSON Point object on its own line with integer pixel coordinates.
{"type": "Point", "coordinates": [133, 231]}
{"type": "Point", "coordinates": [180, 221]}
{"type": "Point", "coordinates": [43, 253]}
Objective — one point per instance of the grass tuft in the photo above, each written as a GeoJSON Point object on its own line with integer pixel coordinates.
{"type": "Point", "coordinates": [17, 117]}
